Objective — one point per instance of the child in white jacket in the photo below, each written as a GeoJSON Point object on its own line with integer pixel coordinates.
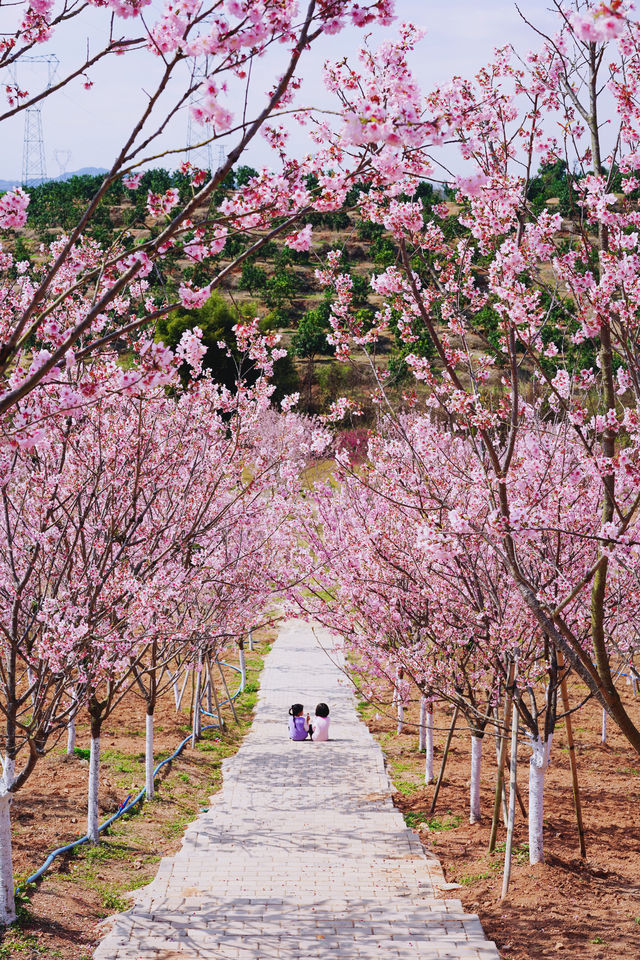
{"type": "Point", "coordinates": [321, 725]}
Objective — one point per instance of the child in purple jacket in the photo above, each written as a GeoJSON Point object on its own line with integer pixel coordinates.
{"type": "Point", "coordinates": [299, 726]}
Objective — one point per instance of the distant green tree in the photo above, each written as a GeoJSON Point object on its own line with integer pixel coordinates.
{"type": "Point", "coordinates": [280, 289]}
{"type": "Point", "coordinates": [310, 340]}
{"type": "Point", "coordinates": [252, 277]}
{"type": "Point", "coordinates": [552, 181]}
{"type": "Point", "coordinates": [216, 319]}
{"type": "Point", "coordinates": [244, 174]}
{"type": "Point", "coordinates": [383, 251]}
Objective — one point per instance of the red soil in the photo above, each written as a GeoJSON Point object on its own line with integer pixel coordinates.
{"type": "Point", "coordinates": [566, 907]}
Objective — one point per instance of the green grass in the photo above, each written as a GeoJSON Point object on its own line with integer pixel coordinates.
{"type": "Point", "coordinates": [18, 942]}
{"type": "Point", "coordinates": [177, 826]}
{"type": "Point", "coordinates": [449, 822]}
{"type": "Point", "coordinates": [471, 878]}
{"type": "Point", "coordinates": [401, 766]}
{"type": "Point", "coordinates": [82, 752]}
{"type": "Point", "coordinates": [520, 852]}
{"type": "Point", "coordinates": [106, 850]}
{"type": "Point", "coordinates": [406, 787]}
{"type": "Point", "coordinates": [114, 900]}
{"type": "Point", "coordinates": [122, 762]}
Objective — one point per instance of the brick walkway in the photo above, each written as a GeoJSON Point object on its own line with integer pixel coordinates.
{"type": "Point", "coordinates": [302, 855]}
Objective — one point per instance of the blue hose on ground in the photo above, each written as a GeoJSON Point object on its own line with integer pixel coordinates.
{"type": "Point", "coordinates": [128, 804]}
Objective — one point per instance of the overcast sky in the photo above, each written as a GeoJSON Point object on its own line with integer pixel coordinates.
{"type": "Point", "coordinates": [90, 125]}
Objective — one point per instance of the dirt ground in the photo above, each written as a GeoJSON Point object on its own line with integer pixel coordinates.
{"type": "Point", "coordinates": [566, 907]}
{"type": "Point", "coordinates": [60, 916]}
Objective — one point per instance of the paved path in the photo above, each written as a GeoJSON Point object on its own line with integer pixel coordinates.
{"type": "Point", "coordinates": [302, 855]}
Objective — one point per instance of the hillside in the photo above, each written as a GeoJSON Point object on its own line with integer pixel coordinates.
{"type": "Point", "coordinates": [277, 283]}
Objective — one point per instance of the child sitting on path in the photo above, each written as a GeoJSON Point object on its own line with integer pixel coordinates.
{"type": "Point", "coordinates": [321, 728]}
{"type": "Point", "coordinates": [299, 726]}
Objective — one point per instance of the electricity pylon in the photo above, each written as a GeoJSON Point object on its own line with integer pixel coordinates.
{"type": "Point", "coordinates": [199, 154]}
{"type": "Point", "coordinates": [34, 167]}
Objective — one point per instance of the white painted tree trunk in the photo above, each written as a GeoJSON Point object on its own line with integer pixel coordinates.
{"type": "Point", "coordinates": [512, 802]}
{"type": "Point", "coordinates": [604, 725]}
{"type": "Point", "coordinates": [400, 716]}
{"type": "Point", "coordinates": [148, 758]}
{"type": "Point", "coordinates": [243, 669]}
{"type": "Point", "coordinates": [195, 729]}
{"type": "Point", "coordinates": [547, 750]}
{"type": "Point", "coordinates": [251, 640]}
{"type": "Point", "coordinates": [537, 769]}
{"type": "Point", "coordinates": [94, 785]}
{"type": "Point", "coordinates": [504, 786]}
{"type": "Point", "coordinates": [474, 786]}
{"type": "Point", "coordinates": [176, 689]}
{"type": "Point", "coordinates": [422, 731]}
{"type": "Point", "coordinates": [71, 735]}
{"type": "Point", "coordinates": [428, 764]}
{"type": "Point", "coordinates": [7, 902]}
{"type": "Point", "coordinates": [8, 772]}
{"type": "Point", "coordinates": [184, 685]}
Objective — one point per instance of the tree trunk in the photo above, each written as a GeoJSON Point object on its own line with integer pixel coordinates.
{"type": "Point", "coordinates": [226, 690]}
{"type": "Point", "coordinates": [212, 687]}
{"type": "Point", "coordinates": [537, 769]}
{"type": "Point", "coordinates": [428, 761]}
{"type": "Point", "coordinates": [148, 757]}
{"type": "Point", "coordinates": [250, 641]}
{"type": "Point", "coordinates": [511, 816]}
{"type": "Point", "coordinates": [445, 754]}
{"type": "Point", "coordinates": [7, 901]}
{"type": "Point", "coordinates": [71, 735]}
{"type": "Point", "coordinates": [94, 782]}
{"type": "Point", "coordinates": [474, 786]}
{"type": "Point", "coordinates": [243, 666]}
{"type": "Point", "coordinates": [500, 796]}
{"type": "Point", "coordinates": [208, 691]}
{"type": "Point", "coordinates": [422, 732]}
{"type": "Point", "coordinates": [400, 708]}
{"type": "Point", "coordinates": [195, 726]}
{"type": "Point", "coordinates": [574, 767]}
{"type": "Point", "coordinates": [184, 686]}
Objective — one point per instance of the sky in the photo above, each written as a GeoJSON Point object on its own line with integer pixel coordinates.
{"type": "Point", "coordinates": [84, 128]}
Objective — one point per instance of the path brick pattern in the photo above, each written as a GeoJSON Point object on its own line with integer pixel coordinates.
{"type": "Point", "coordinates": [301, 856]}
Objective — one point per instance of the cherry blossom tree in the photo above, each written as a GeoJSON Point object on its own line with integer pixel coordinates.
{"type": "Point", "coordinates": [556, 315]}
{"type": "Point", "coordinates": [403, 563]}
{"type": "Point", "coordinates": [202, 50]}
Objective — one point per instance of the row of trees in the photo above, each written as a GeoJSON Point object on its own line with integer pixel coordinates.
{"type": "Point", "coordinates": [145, 504]}
{"type": "Point", "coordinates": [490, 541]}
{"type": "Point", "coordinates": [140, 533]}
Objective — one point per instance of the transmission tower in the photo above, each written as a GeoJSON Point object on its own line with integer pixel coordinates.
{"type": "Point", "coordinates": [199, 154]}
{"type": "Point", "coordinates": [34, 168]}
{"type": "Point", "coordinates": [62, 158]}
